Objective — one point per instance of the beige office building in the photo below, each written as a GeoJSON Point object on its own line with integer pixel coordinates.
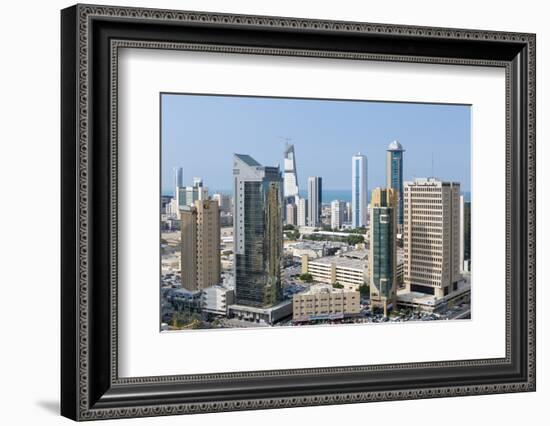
{"type": "Point", "coordinates": [301, 211]}
{"type": "Point", "coordinates": [323, 302]}
{"type": "Point", "coordinates": [291, 214]}
{"type": "Point", "coordinates": [351, 273]}
{"type": "Point", "coordinates": [431, 241]}
{"type": "Point", "coordinates": [200, 245]}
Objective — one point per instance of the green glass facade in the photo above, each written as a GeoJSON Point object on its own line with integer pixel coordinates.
{"type": "Point", "coordinates": [382, 250]}
{"type": "Point", "coordinates": [258, 235]}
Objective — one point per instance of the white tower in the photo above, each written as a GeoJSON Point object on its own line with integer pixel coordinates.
{"type": "Point", "coordinates": [290, 175]}
{"type": "Point", "coordinates": [359, 199]}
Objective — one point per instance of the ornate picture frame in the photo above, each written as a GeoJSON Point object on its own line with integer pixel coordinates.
{"type": "Point", "coordinates": [90, 384]}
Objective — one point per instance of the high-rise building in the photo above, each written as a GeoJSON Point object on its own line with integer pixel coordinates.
{"type": "Point", "coordinates": [178, 179]}
{"type": "Point", "coordinates": [200, 245]}
{"type": "Point", "coordinates": [337, 217]}
{"type": "Point", "coordinates": [291, 214]}
{"type": "Point", "coordinates": [431, 236]}
{"type": "Point", "coordinates": [258, 232]}
{"type": "Point", "coordinates": [394, 175]}
{"type": "Point", "coordinates": [382, 248]}
{"type": "Point", "coordinates": [359, 190]}
{"type": "Point", "coordinates": [290, 174]}
{"type": "Point", "coordinates": [302, 209]}
{"type": "Point", "coordinates": [315, 199]}
{"type": "Point", "coordinates": [465, 235]}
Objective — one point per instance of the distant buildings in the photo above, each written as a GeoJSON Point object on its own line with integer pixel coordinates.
{"type": "Point", "coordinates": [200, 245]}
{"type": "Point", "coordinates": [224, 201]}
{"type": "Point", "coordinates": [394, 175]}
{"type": "Point", "coordinates": [465, 235]}
{"type": "Point", "coordinates": [187, 195]}
{"type": "Point", "coordinates": [257, 229]}
{"type": "Point", "coordinates": [349, 272]}
{"type": "Point", "coordinates": [337, 214]}
{"type": "Point", "coordinates": [323, 302]}
{"type": "Point", "coordinates": [431, 236]}
{"type": "Point", "coordinates": [382, 254]}
{"type": "Point", "coordinates": [301, 212]}
{"type": "Point", "coordinates": [178, 179]}
{"type": "Point", "coordinates": [315, 199]}
{"type": "Point", "coordinates": [290, 173]}
{"type": "Point", "coordinates": [291, 214]}
{"type": "Point", "coordinates": [359, 190]}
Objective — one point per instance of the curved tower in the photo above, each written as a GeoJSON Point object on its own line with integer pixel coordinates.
{"type": "Point", "coordinates": [290, 175]}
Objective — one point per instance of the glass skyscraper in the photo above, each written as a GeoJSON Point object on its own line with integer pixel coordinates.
{"type": "Point", "coordinates": [258, 232]}
{"type": "Point", "coordinates": [394, 175]}
{"type": "Point", "coordinates": [382, 256]}
{"type": "Point", "coordinates": [359, 190]}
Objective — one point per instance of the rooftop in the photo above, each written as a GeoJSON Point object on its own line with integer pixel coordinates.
{"type": "Point", "coordinates": [321, 288]}
{"type": "Point", "coordinates": [344, 262]}
{"type": "Point", "coordinates": [430, 181]}
{"type": "Point", "coordinates": [247, 159]}
{"type": "Point", "coordinates": [395, 146]}
{"type": "Point", "coordinates": [311, 244]}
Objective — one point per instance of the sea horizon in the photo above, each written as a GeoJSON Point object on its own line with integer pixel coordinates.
{"type": "Point", "coordinates": [328, 195]}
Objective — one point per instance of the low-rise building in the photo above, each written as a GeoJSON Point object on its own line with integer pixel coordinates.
{"type": "Point", "coordinates": [430, 303]}
{"type": "Point", "coordinates": [216, 299]}
{"type": "Point", "coordinates": [268, 315]}
{"type": "Point", "coordinates": [323, 302]}
{"type": "Point", "coordinates": [347, 271]}
{"type": "Point", "coordinates": [314, 249]}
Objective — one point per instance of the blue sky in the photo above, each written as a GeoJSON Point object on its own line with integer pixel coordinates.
{"type": "Point", "coordinates": [201, 133]}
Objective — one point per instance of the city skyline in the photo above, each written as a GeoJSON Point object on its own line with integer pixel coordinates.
{"type": "Point", "coordinates": [427, 131]}
{"type": "Point", "coordinates": [387, 248]}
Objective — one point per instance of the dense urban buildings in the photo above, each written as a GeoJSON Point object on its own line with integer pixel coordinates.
{"type": "Point", "coordinates": [382, 254]}
{"type": "Point", "coordinates": [224, 262]}
{"type": "Point", "coordinates": [314, 200]}
{"type": "Point", "coordinates": [337, 214]}
{"type": "Point", "coordinates": [394, 175]}
{"type": "Point", "coordinates": [200, 245]}
{"type": "Point", "coordinates": [359, 192]}
{"type": "Point", "coordinates": [257, 232]}
{"type": "Point", "coordinates": [324, 302]}
{"type": "Point", "coordinates": [431, 239]}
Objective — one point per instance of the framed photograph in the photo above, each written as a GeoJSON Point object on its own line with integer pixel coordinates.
{"type": "Point", "coordinates": [263, 212]}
